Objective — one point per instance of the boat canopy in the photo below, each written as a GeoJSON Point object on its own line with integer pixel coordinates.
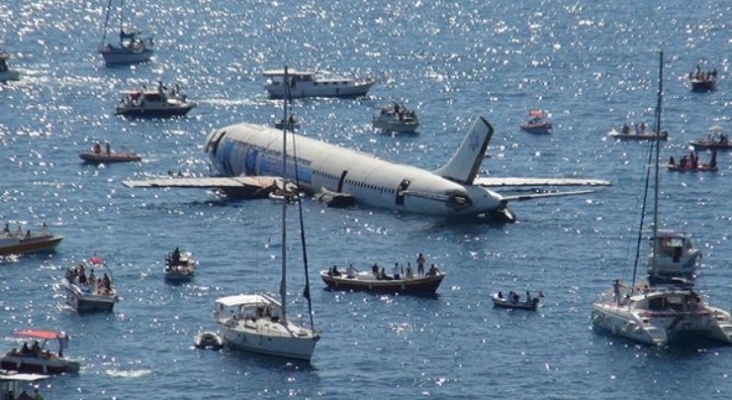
{"type": "Point", "coordinates": [22, 377]}
{"type": "Point", "coordinates": [536, 113]}
{"type": "Point", "coordinates": [290, 73]}
{"type": "Point", "coordinates": [40, 334]}
{"type": "Point", "coordinates": [242, 299]}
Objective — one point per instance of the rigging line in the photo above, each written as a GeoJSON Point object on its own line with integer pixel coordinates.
{"type": "Point", "coordinates": [306, 292]}
{"type": "Point", "coordinates": [639, 240]}
{"type": "Point", "coordinates": [106, 23]}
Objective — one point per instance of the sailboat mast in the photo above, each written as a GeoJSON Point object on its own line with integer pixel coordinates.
{"type": "Point", "coordinates": [106, 23]}
{"type": "Point", "coordinates": [283, 282]}
{"type": "Point", "coordinates": [658, 160]}
{"type": "Point", "coordinates": [121, 16]}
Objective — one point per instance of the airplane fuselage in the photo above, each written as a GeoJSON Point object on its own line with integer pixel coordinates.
{"type": "Point", "coordinates": [247, 149]}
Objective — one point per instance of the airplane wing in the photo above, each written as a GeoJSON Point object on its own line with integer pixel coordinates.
{"type": "Point", "coordinates": [526, 182]}
{"type": "Point", "coordinates": [241, 186]}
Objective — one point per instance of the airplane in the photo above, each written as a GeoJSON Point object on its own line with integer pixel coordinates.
{"type": "Point", "coordinates": [242, 151]}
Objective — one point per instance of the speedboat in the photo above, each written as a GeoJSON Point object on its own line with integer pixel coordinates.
{"type": "Point", "coordinates": [396, 118]}
{"type": "Point", "coordinates": [248, 318]}
{"type": "Point", "coordinates": [35, 359]}
{"type": "Point", "coordinates": [307, 84]}
{"type": "Point", "coordinates": [7, 74]}
{"type": "Point", "coordinates": [370, 282]}
{"type": "Point", "coordinates": [208, 340]}
{"type": "Point", "coordinates": [19, 242]}
{"type": "Point", "coordinates": [162, 102]}
{"type": "Point", "coordinates": [660, 316]}
{"type": "Point", "coordinates": [513, 301]}
{"type": "Point", "coordinates": [537, 123]}
{"type": "Point", "coordinates": [89, 293]}
{"type": "Point", "coordinates": [703, 81]}
{"type": "Point", "coordinates": [179, 266]}
{"type": "Point", "coordinates": [716, 139]}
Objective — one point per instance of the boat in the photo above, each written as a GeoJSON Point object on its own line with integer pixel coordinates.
{"type": "Point", "coordinates": [513, 301]}
{"type": "Point", "coordinates": [35, 359]}
{"type": "Point", "coordinates": [640, 133]}
{"type": "Point", "coordinates": [132, 47]}
{"type": "Point", "coordinates": [672, 255]}
{"type": "Point", "coordinates": [14, 385]}
{"type": "Point", "coordinates": [20, 242]}
{"type": "Point", "coordinates": [692, 164]}
{"type": "Point", "coordinates": [208, 340]}
{"type": "Point", "coordinates": [179, 266]}
{"type": "Point", "coordinates": [716, 139]}
{"type": "Point", "coordinates": [308, 84]}
{"type": "Point", "coordinates": [537, 123]}
{"type": "Point", "coordinates": [259, 323]}
{"type": "Point", "coordinates": [660, 314]}
{"type": "Point", "coordinates": [90, 293]}
{"type": "Point", "coordinates": [7, 74]}
{"type": "Point", "coordinates": [701, 80]}
{"type": "Point", "coordinates": [97, 156]}
{"type": "Point", "coordinates": [290, 125]}
{"type": "Point", "coordinates": [395, 118]}
{"type": "Point", "coordinates": [161, 102]}
{"type": "Point", "coordinates": [377, 281]}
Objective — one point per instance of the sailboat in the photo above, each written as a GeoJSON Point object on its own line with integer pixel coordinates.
{"type": "Point", "coordinates": [132, 47]}
{"type": "Point", "coordinates": [660, 314]}
{"type": "Point", "coordinates": [259, 322]}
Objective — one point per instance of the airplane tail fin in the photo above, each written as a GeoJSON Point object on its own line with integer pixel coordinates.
{"type": "Point", "coordinates": [464, 164]}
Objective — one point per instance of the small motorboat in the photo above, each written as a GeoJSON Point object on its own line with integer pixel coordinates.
{"type": "Point", "coordinates": [290, 125]}
{"type": "Point", "coordinates": [625, 133]}
{"type": "Point", "coordinates": [208, 340]}
{"type": "Point", "coordinates": [89, 293]}
{"type": "Point", "coordinates": [35, 359]}
{"type": "Point", "coordinates": [537, 123]}
{"type": "Point", "coordinates": [513, 300]}
{"type": "Point", "coordinates": [179, 266]}
{"type": "Point", "coordinates": [716, 139]}
{"type": "Point", "coordinates": [395, 118]}
{"type": "Point", "coordinates": [20, 242]}
{"type": "Point", "coordinates": [97, 156]}
{"type": "Point", "coordinates": [162, 102]}
{"type": "Point", "coordinates": [703, 81]}
{"type": "Point", "coordinates": [7, 74]}
{"type": "Point", "coordinates": [692, 164]}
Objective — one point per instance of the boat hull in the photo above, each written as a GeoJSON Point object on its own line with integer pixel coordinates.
{"type": "Point", "coordinates": [702, 85]}
{"type": "Point", "coordinates": [277, 91]}
{"type": "Point", "coordinates": [86, 302]}
{"type": "Point", "coordinates": [703, 145]}
{"type": "Point", "coordinates": [118, 56]}
{"type": "Point", "coordinates": [638, 136]}
{"type": "Point", "coordinates": [13, 245]}
{"type": "Point", "coordinates": [103, 158]}
{"type": "Point", "coordinates": [537, 128]}
{"type": "Point", "coordinates": [699, 168]}
{"type": "Point", "coordinates": [520, 305]}
{"type": "Point", "coordinates": [395, 126]}
{"type": "Point", "coordinates": [256, 341]}
{"type": "Point", "coordinates": [424, 285]}
{"type": "Point", "coordinates": [29, 364]}
{"type": "Point", "coordinates": [139, 112]}
{"type": "Point", "coordinates": [8, 76]}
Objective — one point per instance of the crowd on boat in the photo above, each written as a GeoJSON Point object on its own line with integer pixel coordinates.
{"type": "Point", "coordinates": [692, 162]}
{"type": "Point", "coordinates": [398, 111]}
{"type": "Point", "coordinates": [95, 285]}
{"type": "Point", "coordinates": [19, 233]}
{"type": "Point", "coordinates": [516, 298]}
{"type": "Point", "coordinates": [397, 272]}
{"type": "Point", "coordinates": [640, 129]}
{"type": "Point", "coordinates": [701, 75]}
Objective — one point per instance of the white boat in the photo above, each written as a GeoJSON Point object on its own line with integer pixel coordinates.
{"type": "Point", "coordinates": [161, 102]}
{"type": "Point", "coordinates": [259, 323]}
{"type": "Point", "coordinates": [132, 47]}
{"type": "Point", "coordinates": [7, 74]}
{"type": "Point", "coordinates": [35, 358]}
{"type": "Point", "coordinates": [672, 255]}
{"type": "Point", "coordinates": [26, 242]}
{"type": "Point", "coordinates": [290, 125]}
{"type": "Point", "coordinates": [661, 314]}
{"type": "Point", "coordinates": [179, 266]}
{"type": "Point", "coordinates": [307, 84]}
{"type": "Point", "coordinates": [396, 118]}
{"type": "Point", "coordinates": [625, 134]}
{"type": "Point", "coordinates": [513, 301]}
{"type": "Point", "coordinates": [90, 293]}
{"type": "Point", "coordinates": [14, 384]}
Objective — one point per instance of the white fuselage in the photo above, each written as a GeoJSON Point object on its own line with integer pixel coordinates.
{"type": "Point", "coordinates": [246, 149]}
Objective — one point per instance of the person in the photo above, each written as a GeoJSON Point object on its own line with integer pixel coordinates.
{"type": "Point", "coordinates": [97, 148]}
{"type": "Point", "coordinates": [616, 290]}
{"type": "Point", "coordinates": [396, 271]}
{"type": "Point", "coordinates": [92, 278]}
{"type": "Point", "coordinates": [335, 271]}
{"type": "Point", "coordinates": [500, 295]}
{"type": "Point", "coordinates": [24, 396]}
{"type": "Point", "coordinates": [35, 349]}
{"type": "Point", "coordinates": [107, 283]}
{"type": "Point", "coordinates": [45, 231]}
{"type": "Point", "coordinates": [6, 230]}
{"type": "Point", "coordinates": [383, 275]}
{"type": "Point", "coordinates": [176, 256]}
{"type": "Point", "coordinates": [528, 296]}
{"type": "Point", "coordinates": [375, 269]}
{"type": "Point", "coordinates": [25, 349]}
{"type": "Point", "coordinates": [19, 231]}
{"type": "Point", "coordinates": [410, 274]}
{"type": "Point", "coordinates": [433, 270]}
{"type": "Point", "coordinates": [37, 395]}
{"type": "Point", "coordinates": [420, 264]}
{"type": "Point", "coordinates": [516, 297]}
{"type": "Point", "coordinates": [671, 161]}
{"type": "Point", "coordinates": [27, 234]}
{"type": "Point", "coordinates": [713, 161]}
{"type": "Point", "coordinates": [107, 148]}
{"type": "Point", "coordinates": [351, 271]}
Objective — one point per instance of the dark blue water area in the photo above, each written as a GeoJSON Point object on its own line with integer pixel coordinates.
{"type": "Point", "coordinates": [592, 66]}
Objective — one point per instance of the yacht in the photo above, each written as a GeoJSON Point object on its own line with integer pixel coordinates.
{"type": "Point", "coordinates": [162, 102]}
{"type": "Point", "coordinates": [307, 84]}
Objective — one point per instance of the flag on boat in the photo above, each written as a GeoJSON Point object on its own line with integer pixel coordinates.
{"type": "Point", "coordinates": [96, 260]}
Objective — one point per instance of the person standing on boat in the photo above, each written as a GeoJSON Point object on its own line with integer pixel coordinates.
{"type": "Point", "coordinates": [616, 290]}
{"type": "Point", "coordinates": [107, 148]}
{"type": "Point", "coordinates": [97, 148]}
{"type": "Point", "coordinates": [396, 271]}
{"type": "Point", "coordinates": [420, 264]}
{"type": "Point", "coordinates": [351, 271]}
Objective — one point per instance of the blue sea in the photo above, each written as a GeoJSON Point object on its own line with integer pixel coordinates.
{"type": "Point", "coordinates": [592, 65]}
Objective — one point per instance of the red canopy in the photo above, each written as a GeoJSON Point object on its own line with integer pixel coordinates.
{"type": "Point", "coordinates": [96, 260]}
{"type": "Point", "coordinates": [40, 334]}
{"type": "Point", "coordinates": [536, 113]}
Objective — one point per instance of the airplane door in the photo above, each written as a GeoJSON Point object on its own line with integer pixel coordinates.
{"type": "Point", "coordinates": [340, 181]}
{"type": "Point", "coordinates": [400, 192]}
